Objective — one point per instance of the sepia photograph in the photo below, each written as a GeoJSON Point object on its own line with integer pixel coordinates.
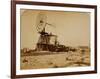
{"type": "Point", "coordinates": [54, 39]}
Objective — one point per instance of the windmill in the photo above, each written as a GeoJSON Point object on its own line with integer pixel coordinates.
{"type": "Point", "coordinates": [43, 43]}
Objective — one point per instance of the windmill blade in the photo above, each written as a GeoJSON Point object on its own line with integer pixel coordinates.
{"type": "Point", "coordinates": [50, 24]}
{"type": "Point", "coordinates": [41, 21]}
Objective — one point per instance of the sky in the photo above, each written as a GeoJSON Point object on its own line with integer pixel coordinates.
{"type": "Point", "coordinates": [72, 28]}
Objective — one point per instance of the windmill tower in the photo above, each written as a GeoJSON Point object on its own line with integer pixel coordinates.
{"type": "Point", "coordinates": [44, 41]}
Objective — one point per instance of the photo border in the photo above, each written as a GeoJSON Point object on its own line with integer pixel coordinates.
{"type": "Point", "coordinates": [13, 38]}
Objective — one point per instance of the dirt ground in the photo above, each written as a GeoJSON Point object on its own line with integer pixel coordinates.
{"type": "Point", "coordinates": [63, 59]}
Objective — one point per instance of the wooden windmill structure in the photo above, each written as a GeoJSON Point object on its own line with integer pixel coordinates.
{"type": "Point", "coordinates": [44, 41]}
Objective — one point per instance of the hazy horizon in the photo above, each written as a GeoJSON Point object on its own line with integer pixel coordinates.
{"type": "Point", "coordinates": [72, 28]}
